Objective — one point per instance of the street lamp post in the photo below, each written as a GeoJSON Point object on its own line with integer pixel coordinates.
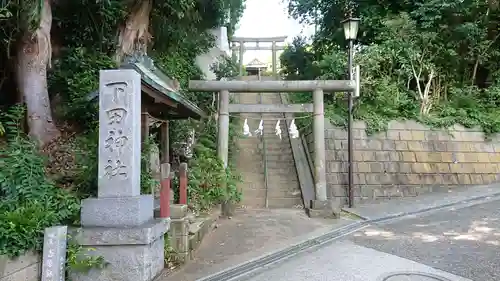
{"type": "Point", "coordinates": [351, 26]}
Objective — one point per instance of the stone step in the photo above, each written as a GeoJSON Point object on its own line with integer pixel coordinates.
{"type": "Point", "coordinates": [279, 157]}
{"type": "Point", "coordinates": [285, 202]}
{"type": "Point", "coordinates": [285, 168]}
{"type": "Point", "coordinates": [277, 142]}
{"type": "Point", "coordinates": [282, 168]}
{"type": "Point", "coordinates": [272, 193]}
{"type": "Point", "coordinates": [286, 172]}
{"type": "Point", "coordinates": [252, 185]}
{"type": "Point", "coordinates": [273, 150]}
{"type": "Point", "coordinates": [273, 203]}
{"type": "Point", "coordinates": [284, 188]}
{"type": "Point", "coordinates": [278, 164]}
{"type": "Point", "coordinates": [283, 184]}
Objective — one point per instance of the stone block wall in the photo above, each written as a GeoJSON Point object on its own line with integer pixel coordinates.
{"type": "Point", "coordinates": [24, 268]}
{"type": "Point", "coordinates": [408, 159]}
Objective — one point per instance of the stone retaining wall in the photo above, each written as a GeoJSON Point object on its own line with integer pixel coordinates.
{"type": "Point", "coordinates": [23, 268]}
{"type": "Point", "coordinates": [187, 231]}
{"type": "Point", "coordinates": [409, 159]}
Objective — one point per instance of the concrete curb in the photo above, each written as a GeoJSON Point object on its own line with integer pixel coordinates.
{"type": "Point", "coordinates": [257, 265]}
{"type": "Point", "coordinates": [492, 196]}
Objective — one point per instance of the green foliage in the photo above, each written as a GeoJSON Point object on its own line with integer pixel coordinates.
{"type": "Point", "coordinates": [298, 62]}
{"type": "Point", "coordinates": [75, 77]}
{"type": "Point", "coordinates": [16, 17]}
{"type": "Point", "coordinates": [432, 61]}
{"type": "Point", "coordinates": [209, 182]}
{"type": "Point", "coordinates": [78, 260]}
{"type": "Point", "coordinates": [86, 164]}
{"type": "Point", "coordinates": [29, 201]}
{"type": "Point", "coordinates": [170, 258]}
{"type": "Point", "coordinates": [94, 27]}
{"type": "Point", "coordinates": [225, 67]}
{"type": "Point", "coordinates": [147, 180]}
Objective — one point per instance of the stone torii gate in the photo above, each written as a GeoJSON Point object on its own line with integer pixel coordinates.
{"type": "Point", "coordinates": [242, 48]}
{"type": "Point", "coordinates": [320, 206]}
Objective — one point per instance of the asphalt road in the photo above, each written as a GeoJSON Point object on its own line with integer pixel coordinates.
{"type": "Point", "coordinates": [465, 242]}
{"type": "Point", "coordinates": [453, 245]}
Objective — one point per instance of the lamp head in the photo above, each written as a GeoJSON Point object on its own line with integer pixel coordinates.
{"type": "Point", "coordinates": [351, 26]}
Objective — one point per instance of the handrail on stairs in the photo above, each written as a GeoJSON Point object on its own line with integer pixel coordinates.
{"type": "Point", "coordinates": [303, 166]}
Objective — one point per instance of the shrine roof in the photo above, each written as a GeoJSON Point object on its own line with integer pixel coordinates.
{"type": "Point", "coordinates": [256, 63]}
{"type": "Point", "coordinates": [161, 95]}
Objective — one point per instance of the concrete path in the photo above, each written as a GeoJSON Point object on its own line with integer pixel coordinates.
{"type": "Point", "coordinates": [250, 234]}
{"type": "Point", "coordinates": [456, 243]}
{"type": "Point", "coordinates": [345, 261]}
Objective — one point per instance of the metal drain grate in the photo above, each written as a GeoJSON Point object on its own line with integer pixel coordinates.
{"type": "Point", "coordinates": [413, 276]}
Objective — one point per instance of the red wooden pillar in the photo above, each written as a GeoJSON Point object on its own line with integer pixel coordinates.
{"type": "Point", "coordinates": [183, 183]}
{"type": "Point", "coordinates": [165, 191]}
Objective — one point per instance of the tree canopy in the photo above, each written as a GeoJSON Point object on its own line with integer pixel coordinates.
{"type": "Point", "coordinates": [432, 60]}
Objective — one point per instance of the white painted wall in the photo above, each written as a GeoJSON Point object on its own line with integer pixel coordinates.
{"type": "Point", "coordinates": [221, 48]}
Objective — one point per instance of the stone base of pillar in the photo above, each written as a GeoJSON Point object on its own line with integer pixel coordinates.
{"type": "Point", "coordinates": [130, 254]}
{"type": "Point", "coordinates": [324, 209]}
{"type": "Point", "coordinates": [117, 211]}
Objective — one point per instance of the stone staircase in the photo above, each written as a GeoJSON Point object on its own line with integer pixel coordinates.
{"type": "Point", "coordinates": [283, 185]}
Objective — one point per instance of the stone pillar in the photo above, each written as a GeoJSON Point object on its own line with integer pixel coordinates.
{"type": "Point", "coordinates": [242, 52]}
{"type": "Point", "coordinates": [179, 232]}
{"type": "Point", "coordinates": [223, 142]}
{"type": "Point", "coordinates": [275, 72]}
{"type": "Point", "coordinates": [155, 168]}
{"type": "Point", "coordinates": [223, 136]}
{"type": "Point", "coordinates": [118, 225]}
{"type": "Point", "coordinates": [321, 206]}
{"type": "Point", "coordinates": [319, 145]}
{"type": "Point", "coordinates": [183, 183]}
{"type": "Point", "coordinates": [54, 254]}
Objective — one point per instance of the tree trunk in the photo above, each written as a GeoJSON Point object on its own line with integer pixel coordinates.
{"type": "Point", "coordinates": [134, 35]}
{"type": "Point", "coordinates": [33, 58]}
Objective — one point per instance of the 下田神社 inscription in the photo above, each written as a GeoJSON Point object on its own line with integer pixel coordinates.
{"type": "Point", "coordinates": [115, 168]}
{"type": "Point", "coordinates": [119, 133]}
{"type": "Point", "coordinates": [116, 140]}
{"type": "Point", "coordinates": [116, 115]}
